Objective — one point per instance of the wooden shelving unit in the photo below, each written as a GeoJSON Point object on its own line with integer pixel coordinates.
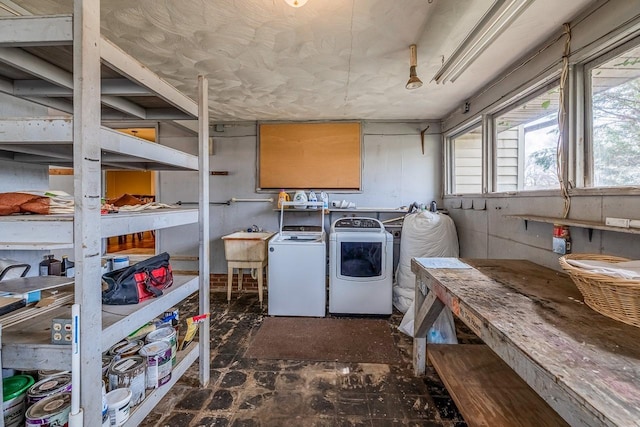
{"type": "Point", "coordinates": [62, 62]}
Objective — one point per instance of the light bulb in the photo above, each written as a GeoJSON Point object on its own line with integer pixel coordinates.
{"type": "Point", "coordinates": [296, 3]}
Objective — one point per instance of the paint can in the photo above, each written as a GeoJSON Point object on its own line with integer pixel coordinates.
{"type": "Point", "coordinates": [158, 356]}
{"type": "Point", "coordinates": [129, 372]}
{"type": "Point", "coordinates": [49, 387]}
{"type": "Point", "coordinates": [106, 361]}
{"type": "Point", "coordinates": [126, 348]}
{"type": "Point", "coordinates": [48, 373]}
{"type": "Point", "coordinates": [52, 411]}
{"type": "Point", "coordinates": [14, 393]}
{"type": "Point", "coordinates": [118, 401]}
{"type": "Point", "coordinates": [168, 334]}
{"type": "Point", "coordinates": [120, 262]}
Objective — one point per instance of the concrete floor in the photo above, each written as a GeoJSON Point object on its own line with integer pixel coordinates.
{"type": "Point", "coordinates": [252, 392]}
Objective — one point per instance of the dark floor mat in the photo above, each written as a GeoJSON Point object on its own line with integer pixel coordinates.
{"type": "Point", "coordinates": [324, 339]}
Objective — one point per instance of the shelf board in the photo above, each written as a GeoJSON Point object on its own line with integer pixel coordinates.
{"type": "Point", "coordinates": [50, 141]}
{"type": "Point", "coordinates": [34, 246]}
{"type": "Point", "coordinates": [363, 209]}
{"type": "Point", "coordinates": [592, 225]}
{"type": "Point", "coordinates": [119, 321]}
{"type": "Point", "coordinates": [25, 230]}
{"type": "Point", "coordinates": [153, 397]}
{"type": "Point", "coordinates": [22, 285]}
{"type": "Point", "coordinates": [27, 345]}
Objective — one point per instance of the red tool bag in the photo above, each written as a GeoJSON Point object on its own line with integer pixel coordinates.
{"type": "Point", "coordinates": [138, 282]}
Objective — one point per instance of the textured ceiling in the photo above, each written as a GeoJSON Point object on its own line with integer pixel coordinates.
{"type": "Point", "coordinates": [330, 59]}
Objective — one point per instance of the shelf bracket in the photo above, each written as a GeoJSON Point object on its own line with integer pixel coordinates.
{"type": "Point", "coordinates": [590, 230]}
{"type": "Point", "coordinates": [526, 224]}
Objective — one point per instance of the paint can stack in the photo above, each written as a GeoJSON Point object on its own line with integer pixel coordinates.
{"type": "Point", "coordinates": [129, 372]}
{"type": "Point", "coordinates": [49, 387]}
{"type": "Point", "coordinates": [50, 411]}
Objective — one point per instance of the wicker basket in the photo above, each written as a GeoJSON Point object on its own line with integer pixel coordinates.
{"type": "Point", "coordinates": [611, 296]}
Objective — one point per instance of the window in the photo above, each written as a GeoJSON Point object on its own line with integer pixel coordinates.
{"type": "Point", "coordinates": [467, 161]}
{"type": "Point", "coordinates": [526, 141]}
{"type": "Point", "coordinates": [615, 119]}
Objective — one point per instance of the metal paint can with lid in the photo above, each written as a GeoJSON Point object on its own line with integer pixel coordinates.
{"type": "Point", "coordinates": [129, 372]}
{"type": "Point", "coordinates": [49, 387]}
{"type": "Point", "coordinates": [52, 411]}
{"type": "Point", "coordinates": [48, 373]}
{"type": "Point", "coordinates": [168, 334]}
{"type": "Point", "coordinates": [126, 348]}
{"type": "Point", "coordinates": [158, 356]}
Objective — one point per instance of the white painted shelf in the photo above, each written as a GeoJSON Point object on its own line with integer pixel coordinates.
{"type": "Point", "coordinates": [50, 141]}
{"type": "Point", "coordinates": [26, 230]}
{"type": "Point", "coordinates": [108, 86]}
{"type": "Point", "coordinates": [27, 345]}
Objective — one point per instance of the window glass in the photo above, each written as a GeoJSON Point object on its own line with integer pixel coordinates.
{"type": "Point", "coordinates": [467, 161]}
{"type": "Point", "coordinates": [615, 107]}
{"type": "Point", "coordinates": [526, 141]}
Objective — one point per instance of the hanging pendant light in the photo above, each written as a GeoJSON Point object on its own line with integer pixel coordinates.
{"type": "Point", "coordinates": [414, 82]}
{"type": "Point", "coordinates": [296, 3]}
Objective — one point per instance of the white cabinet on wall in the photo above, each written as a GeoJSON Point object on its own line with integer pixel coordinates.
{"type": "Point", "coordinates": [62, 62]}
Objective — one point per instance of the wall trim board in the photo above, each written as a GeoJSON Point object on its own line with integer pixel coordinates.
{"type": "Point", "coordinates": [304, 155]}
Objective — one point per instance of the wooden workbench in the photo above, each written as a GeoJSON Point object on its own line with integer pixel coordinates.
{"type": "Point", "coordinates": [584, 365]}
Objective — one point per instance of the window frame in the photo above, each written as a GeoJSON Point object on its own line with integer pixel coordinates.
{"type": "Point", "coordinates": [533, 92]}
{"type": "Point", "coordinates": [587, 161]}
{"type": "Point", "coordinates": [449, 154]}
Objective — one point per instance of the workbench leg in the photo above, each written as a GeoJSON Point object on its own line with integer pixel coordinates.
{"type": "Point", "coordinates": [239, 279]}
{"type": "Point", "coordinates": [419, 356]}
{"type": "Point", "coordinates": [229, 282]}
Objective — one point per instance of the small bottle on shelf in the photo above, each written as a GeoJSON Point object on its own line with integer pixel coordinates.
{"type": "Point", "coordinates": [50, 266]}
{"type": "Point", "coordinates": [68, 267]}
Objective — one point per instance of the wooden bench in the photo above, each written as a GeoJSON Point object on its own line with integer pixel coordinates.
{"type": "Point", "coordinates": [486, 391]}
{"type": "Point", "coordinates": [582, 364]}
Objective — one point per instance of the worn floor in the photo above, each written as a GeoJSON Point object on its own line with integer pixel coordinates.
{"type": "Point", "coordinates": [251, 392]}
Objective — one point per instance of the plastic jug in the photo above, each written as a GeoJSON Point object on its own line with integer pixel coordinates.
{"type": "Point", "coordinates": [300, 200]}
{"type": "Point", "coordinates": [325, 200]}
{"type": "Point", "coordinates": [283, 197]}
{"type": "Point", "coordinates": [313, 198]}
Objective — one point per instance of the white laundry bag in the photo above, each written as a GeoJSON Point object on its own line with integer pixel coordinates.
{"type": "Point", "coordinates": [424, 234]}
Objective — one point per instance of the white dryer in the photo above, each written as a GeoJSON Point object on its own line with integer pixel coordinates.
{"type": "Point", "coordinates": [360, 267]}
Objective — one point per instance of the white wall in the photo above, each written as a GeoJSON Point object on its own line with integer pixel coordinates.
{"type": "Point", "coordinates": [395, 173]}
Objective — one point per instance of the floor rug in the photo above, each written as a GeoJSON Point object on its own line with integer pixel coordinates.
{"type": "Point", "coordinates": [324, 339]}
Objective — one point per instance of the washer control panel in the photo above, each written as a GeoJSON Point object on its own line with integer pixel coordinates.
{"type": "Point", "coordinates": [357, 224]}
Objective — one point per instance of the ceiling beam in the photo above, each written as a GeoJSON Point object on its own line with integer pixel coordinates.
{"type": "Point", "coordinates": [36, 30]}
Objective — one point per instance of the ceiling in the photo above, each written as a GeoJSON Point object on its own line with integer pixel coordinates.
{"type": "Point", "coordinates": [330, 59]}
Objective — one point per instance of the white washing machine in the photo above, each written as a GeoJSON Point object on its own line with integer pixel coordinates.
{"type": "Point", "coordinates": [297, 273]}
{"type": "Point", "coordinates": [360, 267]}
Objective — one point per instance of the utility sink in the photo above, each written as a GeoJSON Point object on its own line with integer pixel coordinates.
{"type": "Point", "coordinates": [246, 246]}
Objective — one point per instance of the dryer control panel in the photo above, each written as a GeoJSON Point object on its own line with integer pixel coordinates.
{"type": "Point", "coordinates": [357, 224]}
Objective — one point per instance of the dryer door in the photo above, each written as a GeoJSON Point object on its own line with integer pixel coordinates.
{"type": "Point", "coordinates": [360, 256]}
